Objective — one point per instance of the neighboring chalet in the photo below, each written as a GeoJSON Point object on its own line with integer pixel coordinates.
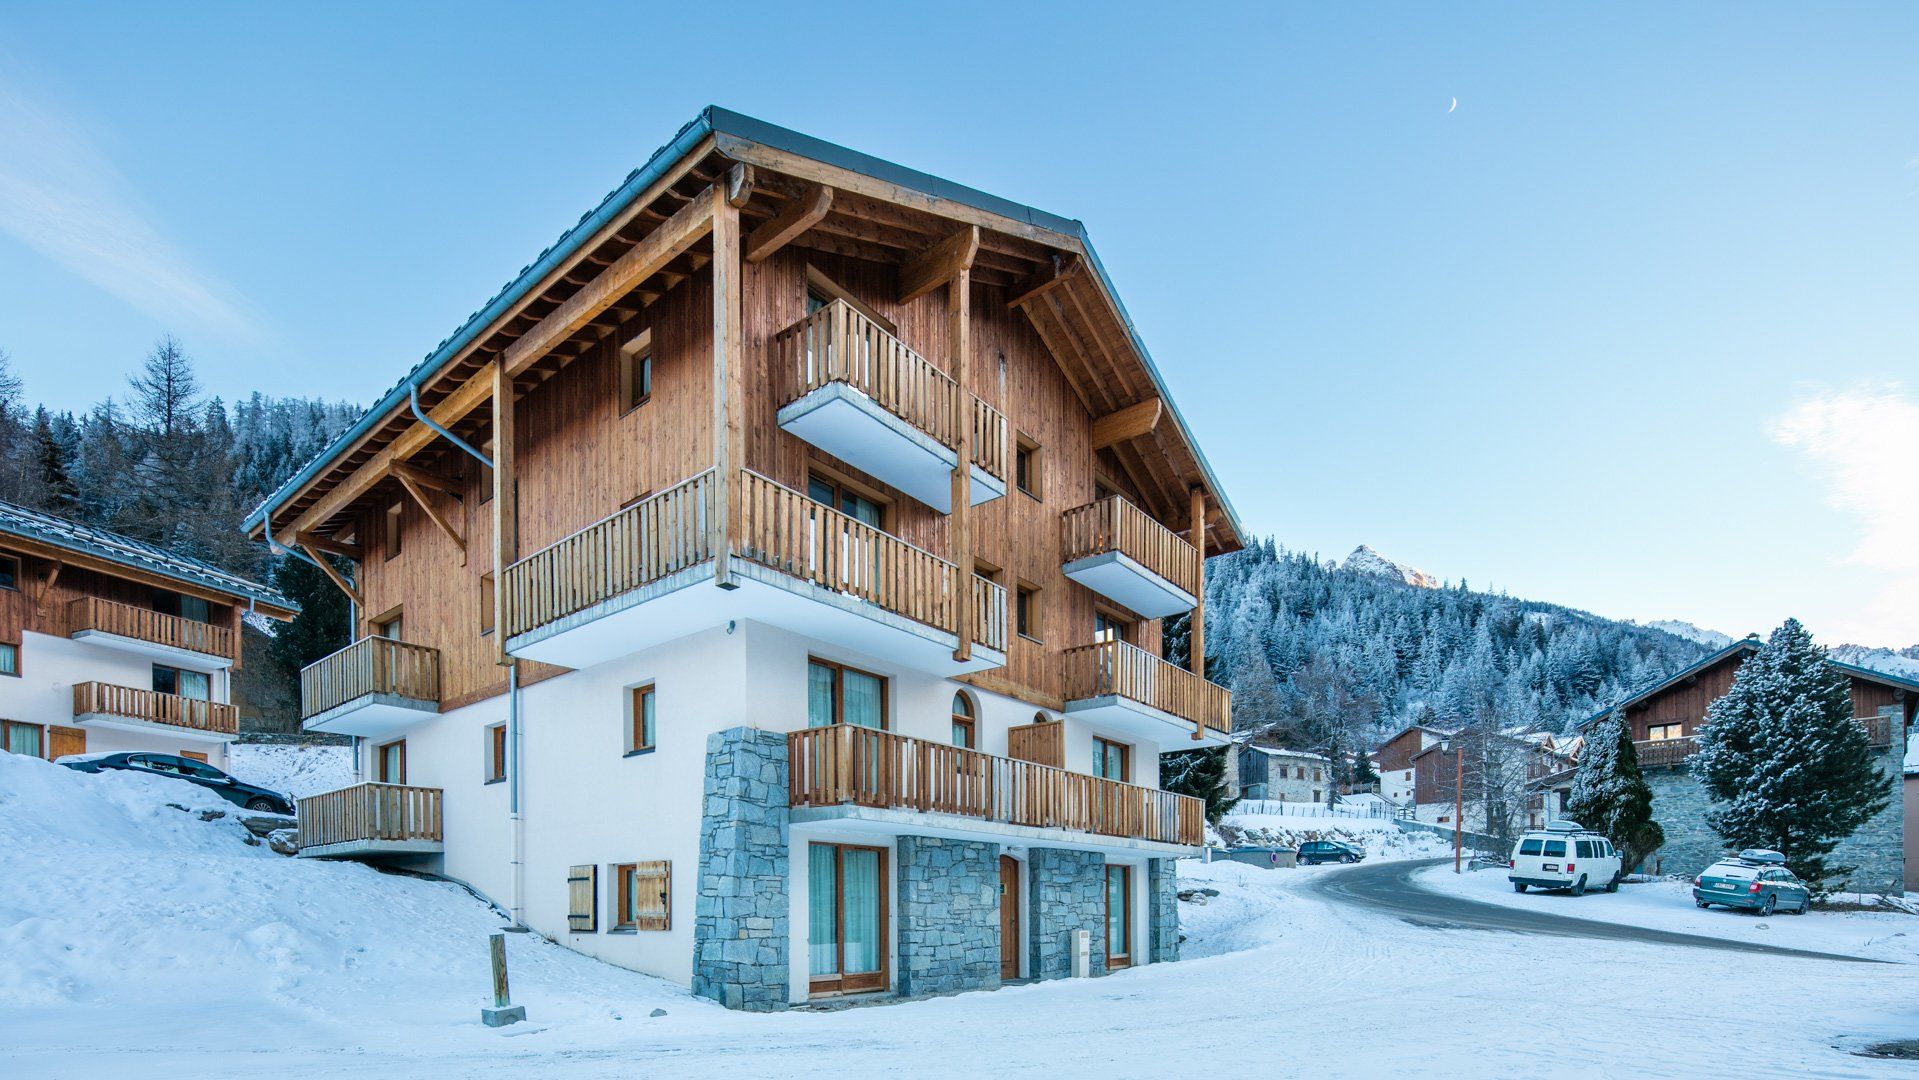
{"type": "Point", "coordinates": [1666, 719]}
{"type": "Point", "coordinates": [763, 590]}
{"type": "Point", "coordinates": [1393, 761]}
{"type": "Point", "coordinates": [1281, 775]}
{"type": "Point", "coordinates": [1515, 762]}
{"type": "Point", "coordinates": [110, 644]}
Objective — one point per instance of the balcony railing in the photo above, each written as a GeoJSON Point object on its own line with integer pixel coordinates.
{"type": "Point", "coordinates": [1115, 668]}
{"type": "Point", "coordinates": [989, 439]}
{"type": "Point", "coordinates": [366, 813]}
{"type": "Point", "coordinates": [838, 344]}
{"type": "Point", "coordinates": [155, 628]}
{"type": "Point", "coordinates": [1662, 752]}
{"type": "Point", "coordinates": [371, 665]}
{"type": "Point", "coordinates": [652, 539]}
{"type": "Point", "coordinates": [848, 765]}
{"type": "Point", "coordinates": [1114, 525]}
{"type": "Point", "coordinates": [149, 706]}
{"type": "Point", "coordinates": [989, 614]}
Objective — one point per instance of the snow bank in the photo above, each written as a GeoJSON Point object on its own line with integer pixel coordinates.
{"type": "Point", "coordinates": [1380, 838]}
{"type": "Point", "coordinates": [291, 768]}
{"type": "Point", "coordinates": [1668, 905]}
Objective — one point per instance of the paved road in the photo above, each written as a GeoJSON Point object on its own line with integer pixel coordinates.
{"type": "Point", "coordinates": [1389, 887]}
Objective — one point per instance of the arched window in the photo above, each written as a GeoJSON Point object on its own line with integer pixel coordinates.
{"type": "Point", "coordinates": [965, 722]}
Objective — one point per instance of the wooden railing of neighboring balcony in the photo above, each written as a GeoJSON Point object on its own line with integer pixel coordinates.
{"type": "Point", "coordinates": [1115, 667]}
{"type": "Point", "coordinates": [371, 812]}
{"type": "Point", "coordinates": [143, 624]}
{"type": "Point", "coordinates": [1113, 524]}
{"type": "Point", "coordinates": [371, 665]}
{"type": "Point", "coordinates": [783, 529]}
{"type": "Point", "coordinates": [658, 536]}
{"type": "Point", "coordinates": [1661, 752]}
{"type": "Point", "coordinates": [171, 709]}
{"type": "Point", "coordinates": [989, 439]}
{"type": "Point", "coordinates": [843, 763]}
{"type": "Point", "coordinates": [838, 344]}
{"type": "Point", "coordinates": [989, 614]}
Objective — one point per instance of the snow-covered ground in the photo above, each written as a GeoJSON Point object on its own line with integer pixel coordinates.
{"type": "Point", "coordinates": [1668, 905]}
{"type": "Point", "coordinates": [291, 768]}
{"type": "Point", "coordinates": [138, 940]}
{"type": "Point", "coordinates": [1380, 837]}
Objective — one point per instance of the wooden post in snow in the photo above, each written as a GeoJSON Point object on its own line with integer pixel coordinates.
{"type": "Point", "coordinates": [502, 1012]}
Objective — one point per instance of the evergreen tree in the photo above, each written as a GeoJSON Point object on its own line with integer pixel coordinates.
{"type": "Point", "coordinates": [58, 495]}
{"type": "Point", "coordinates": [324, 624]}
{"type": "Point", "coordinates": [1201, 774]}
{"type": "Point", "coordinates": [1785, 763]}
{"type": "Point", "coordinates": [1610, 795]}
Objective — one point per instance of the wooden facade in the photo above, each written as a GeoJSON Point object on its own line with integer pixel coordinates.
{"type": "Point", "coordinates": [1682, 703]}
{"type": "Point", "coordinates": [54, 596]}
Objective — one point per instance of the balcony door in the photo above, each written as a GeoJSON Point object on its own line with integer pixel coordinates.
{"type": "Point", "coordinates": [1119, 917]}
{"type": "Point", "coordinates": [856, 550]}
{"type": "Point", "coordinates": [846, 918]}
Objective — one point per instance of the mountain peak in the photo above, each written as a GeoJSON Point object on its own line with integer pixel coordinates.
{"type": "Point", "coordinates": [1365, 560]}
{"type": "Point", "coordinates": [1712, 639]}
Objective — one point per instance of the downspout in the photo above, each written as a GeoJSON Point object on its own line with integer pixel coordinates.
{"type": "Point", "coordinates": [413, 398]}
{"type": "Point", "coordinates": [515, 742]}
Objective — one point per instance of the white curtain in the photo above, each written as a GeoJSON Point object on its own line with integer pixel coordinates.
{"type": "Point", "coordinates": [865, 696]}
{"type": "Point", "coordinates": [862, 870]}
{"type": "Point", "coordinates": [822, 936]}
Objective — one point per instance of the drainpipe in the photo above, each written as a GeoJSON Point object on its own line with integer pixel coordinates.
{"type": "Point", "coordinates": [515, 742]}
{"type": "Point", "coordinates": [413, 397]}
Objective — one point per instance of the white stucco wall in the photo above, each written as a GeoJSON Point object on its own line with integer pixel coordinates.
{"type": "Point", "coordinates": [49, 668]}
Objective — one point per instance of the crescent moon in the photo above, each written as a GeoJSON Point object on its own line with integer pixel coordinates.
{"type": "Point", "coordinates": [1453, 106]}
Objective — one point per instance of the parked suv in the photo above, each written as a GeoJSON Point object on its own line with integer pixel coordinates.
{"type": "Point", "coordinates": [1314, 852]}
{"type": "Point", "coordinates": [1755, 881]}
{"type": "Point", "coordinates": [237, 792]}
{"type": "Point", "coordinates": [1564, 855]}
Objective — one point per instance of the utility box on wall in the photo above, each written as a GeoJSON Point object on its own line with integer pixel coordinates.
{"type": "Point", "coordinates": [1082, 954]}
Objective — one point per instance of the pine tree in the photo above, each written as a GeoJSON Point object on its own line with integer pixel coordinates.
{"type": "Point", "coordinates": [1610, 795]}
{"type": "Point", "coordinates": [58, 494]}
{"type": "Point", "coordinates": [1201, 774]}
{"type": "Point", "coordinates": [324, 623]}
{"type": "Point", "coordinates": [1787, 766]}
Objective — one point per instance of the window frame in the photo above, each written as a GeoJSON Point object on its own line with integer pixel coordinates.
{"type": "Point", "coordinates": [1120, 959]}
{"type": "Point", "coordinates": [839, 690]}
{"type": "Point", "coordinates": [638, 739]}
{"type": "Point", "coordinates": [624, 919]}
{"type": "Point", "coordinates": [1029, 465]}
{"type": "Point", "coordinates": [496, 753]}
{"type": "Point", "coordinates": [1121, 628]}
{"type": "Point", "coordinates": [842, 487]}
{"type": "Point", "coordinates": [489, 611]}
{"type": "Point", "coordinates": [1028, 616]}
{"type": "Point", "coordinates": [635, 357]}
{"type": "Point", "coordinates": [6, 736]}
{"type": "Point", "coordinates": [1676, 730]}
{"type": "Point", "coordinates": [1100, 745]}
{"type": "Point", "coordinates": [968, 720]}
{"type": "Point", "coordinates": [379, 762]}
{"type": "Point", "coordinates": [12, 582]}
{"type": "Point", "coordinates": [393, 528]}
{"type": "Point", "coordinates": [19, 658]}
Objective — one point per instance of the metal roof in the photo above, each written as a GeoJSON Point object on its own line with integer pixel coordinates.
{"type": "Point", "coordinates": [714, 120]}
{"type": "Point", "coordinates": [1741, 646]}
{"type": "Point", "coordinates": [136, 554]}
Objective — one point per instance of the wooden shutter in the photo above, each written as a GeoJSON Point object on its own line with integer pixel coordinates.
{"type": "Point", "coordinates": [653, 895]}
{"type": "Point", "coordinates": [62, 741]}
{"type": "Point", "coordinates": [581, 891]}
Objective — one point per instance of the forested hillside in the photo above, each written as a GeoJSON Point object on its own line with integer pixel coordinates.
{"type": "Point", "coordinates": [1334, 656]}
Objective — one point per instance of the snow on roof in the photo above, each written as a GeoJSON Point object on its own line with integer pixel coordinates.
{"type": "Point", "coordinates": [1275, 751]}
{"type": "Point", "coordinates": [1857, 670]}
{"type": "Point", "coordinates": [134, 554]}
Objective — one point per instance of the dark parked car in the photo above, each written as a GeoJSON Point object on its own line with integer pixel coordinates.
{"type": "Point", "coordinates": [237, 792]}
{"type": "Point", "coordinates": [1314, 852]}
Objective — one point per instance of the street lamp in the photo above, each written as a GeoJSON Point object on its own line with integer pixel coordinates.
{"type": "Point", "coordinates": [1459, 797]}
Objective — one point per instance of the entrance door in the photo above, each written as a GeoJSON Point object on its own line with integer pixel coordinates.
{"type": "Point", "coordinates": [1119, 916]}
{"type": "Point", "coordinates": [846, 918]}
{"type": "Point", "coordinates": [1008, 917]}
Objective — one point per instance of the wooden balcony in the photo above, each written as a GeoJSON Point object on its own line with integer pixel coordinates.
{"type": "Point", "coordinates": [371, 820]}
{"type": "Point", "coordinates": [626, 583]}
{"type": "Point", "coordinates": [1128, 690]}
{"type": "Point", "coordinates": [854, 390]}
{"type": "Point", "coordinates": [98, 704]}
{"type": "Point", "coordinates": [1113, 548]}
{"type": "Point", "coordinates": [373, 687]}
{"type": "Point", "coordinates": [1660, 753]}
{"type": "Point", "coordinates": [846, 766]}
{"type": "Point", "coordinates": [151, 633]}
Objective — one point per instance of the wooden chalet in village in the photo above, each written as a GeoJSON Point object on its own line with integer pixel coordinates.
{"type": "Point", "coordinates": [763, 590]}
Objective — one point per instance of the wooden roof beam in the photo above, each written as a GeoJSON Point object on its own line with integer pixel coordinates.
{"type": "Point", "coordinates": [939, 264]}
{"type": "Point", "coordinates": [794, 219]}
{"type": "Point", "coordinates": [331, 546]}
{"type": "Point", "coordinates": [1128, 423]}
{"type": "Point", "coordinates": [1045, 281]}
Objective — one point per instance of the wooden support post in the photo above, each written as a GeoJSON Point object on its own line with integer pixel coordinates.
{"type": "Point", "coordinates": [46, 591]}
{"type": "Point", "coordinates": [503, 1011]}
{"type": "Point", "coordinates": [729, 383]}
{"type": "Point", "coordinates": [506, 502]}
{"type": "Point", "coordinates": [1196, 652]}
{"type": "Point", "coordinates": [959, 319]}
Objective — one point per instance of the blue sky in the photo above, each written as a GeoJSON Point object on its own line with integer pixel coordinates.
{"type": "Point", "coordinates": [1630, 328]}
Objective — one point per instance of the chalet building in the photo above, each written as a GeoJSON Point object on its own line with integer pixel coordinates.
{"type": "Point", "coordinates": [1514, 764]}
{"type": "Point", "coordinates": [1666, 719]}
{"type": "Point", "coordinates": [1270, 772]}
{"type": "Point", "coordinates": [108, 644]}
{"type": "Point", "coordinates": [1393, 761]}
{"type": "Point", "coordinates": [763, 590]}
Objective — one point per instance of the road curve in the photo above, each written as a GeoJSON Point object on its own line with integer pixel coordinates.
{"type": "Point", "coordinates": [1389, 888]}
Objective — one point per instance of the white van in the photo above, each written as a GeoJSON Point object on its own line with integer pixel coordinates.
{"type": "Point", "coordinates": [1564, 855]}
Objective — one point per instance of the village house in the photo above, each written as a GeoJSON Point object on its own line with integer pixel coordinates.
{"type": "Point", "coordinates": [1666, 718]}
{"type": "Point", "coordinates": [1281, 775]}
{"type": "Point", "coordinates": [1503, 769]}
{"type": "Point", "coordinates": [1393, 761]}
{"type": "Point", "coordinates": [108, 644]}
{"type": "Point", "coordinates": [763, 590]}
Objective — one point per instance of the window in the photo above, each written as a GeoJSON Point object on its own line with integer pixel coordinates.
{"type": "Point", "coordinates": [1026, 611]}
{"type": "Point", "coordinates": [1119, 916]}
{"type": "Point", "coordinates": [641, 705]}
{"type": "Point", "coordinates": [822, 290]}
{"type": "Point", "coordinates": [965, 725]}
{"type": "Point", "coordinates": [1662, 732]}
{"type": "Point", "coordinates": [9, 572]}
{"type": "Point", "coordinates": [189, 684]}
{"type": "Point", "coordinates": [1583, 849]}
{"type": "Point", "coordinates": [389, 762]}
{"type": "Point", "coordinates": [195, 608]}
{"type": "Point", "coordinates": [1110, 759]}
{"type": "Point", "coordinates": [582, 899]}
{"type": "Point", "coordinates": [389, 626]}
{"type": "Point", "coordinates": [829, 492]}
{"type": "Point", "coordinates": [9, 658]}
{"type": "Point", "coordinates": [1530, 847]}
{"type": "Point", "coordinates": [1317, 776]}
{"type": "Point", "coordinates": [18, 738]}
{"type": "Point", "coordinates": [486, 604]}
{"type": "Point", "coordinates": [642, 896]}
{"type": "Point", "coordinates": [495, 753]}
{"type": "Point", "coordinates": [1110, 627]}
{"type": "Point", "coordinates": [1555, 849]}
{"type": "Point", "coordinates": [393, 522]}
{"type": "Point", "coordinates": [1026, 465]}
{"type": "Point", "coordinates": [845, 918]}
{"type": "Point", "coordinates": [837, 694]}
{"type": "Point", "coordinates": [636, 371]}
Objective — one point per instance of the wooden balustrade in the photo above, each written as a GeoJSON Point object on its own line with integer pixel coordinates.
{"type": "Point", "coordinates": [1662, 752]}
{"type": "Point", "coordinates": [989, 614]}
{"type": "Point", "coordinates": [371, 665]}
{"type": "Point", "coordinates": [838, 344]}
{"type": "Point", "coordinates": [1878, 729]}
{"type": "Point", "coordinates": [1113, 524]}
{"type": "Point", "coordinates": [157, 628]}
{"type": "Point", "coordinates": [783, 529]}
{"type": "Point", "coordinates": [658, 536]}
{"type": "Point", "coordinates": [1117, 668]}
{"type": "Point", "coordinates": [1043, 743]}
{"type": "Point", "coordinates": [371, 812]}
{"type": "Point", "coordinates": [842, 764]}
{"type": "Point", "coordinates": [989, 439]}
{"type": "Point", "coordinates": [127, 703]}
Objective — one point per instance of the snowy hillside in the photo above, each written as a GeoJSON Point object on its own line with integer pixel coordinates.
{"type": "Point", "coordinates": [292, 768]}
{"type": "Point", "coordinates": [1364, 560]}
{"type": "Point", "coordinates": [1712, 639]}
{"type": "Point", "coordinates": [1892, 663]}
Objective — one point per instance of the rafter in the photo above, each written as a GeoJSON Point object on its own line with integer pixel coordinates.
{"type": "Point", "coordinates": [938, 264]}
{"type": "Point", "coordinates": [799, 215]}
